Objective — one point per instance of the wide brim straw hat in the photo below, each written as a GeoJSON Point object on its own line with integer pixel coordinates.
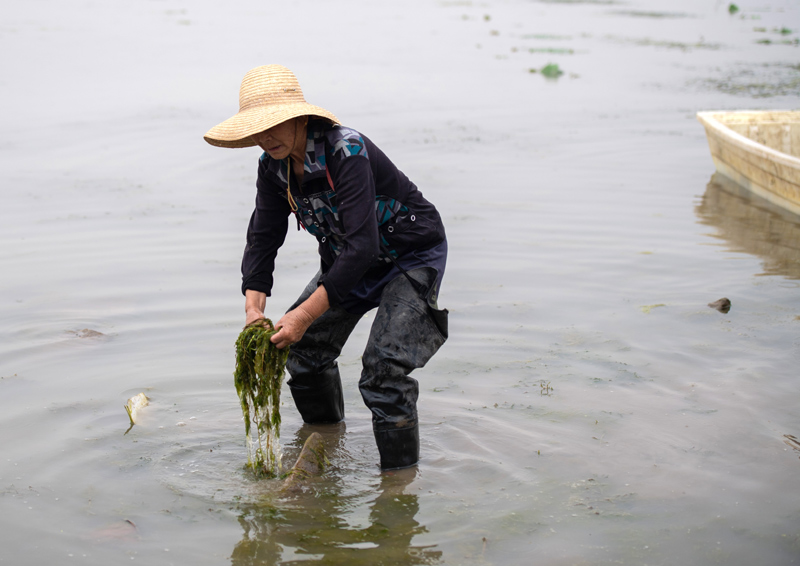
{"type": "Point", "coordinates": [268, 96]}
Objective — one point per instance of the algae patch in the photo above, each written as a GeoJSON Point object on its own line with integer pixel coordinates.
{"type": "Point", "coordinates": [545, 36]}
{"type": "Point", "coordinates": [260, 367]}
{"type": "Point", "coordinates": [650, 42]}
{"type": "Point", "coordinates": [600, 2]}
{"type": "Point", "coordinates": [555, 50]}
{"type": "Point", "coordinates": [551, 71]}
{"type": "Point", "coordinates": [656, 15]}
{"type": "Point", "coordinates": [757, 81]}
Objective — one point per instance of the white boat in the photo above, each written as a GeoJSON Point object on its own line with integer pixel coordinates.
{"type": "Point", "coordinates": [759, 150]}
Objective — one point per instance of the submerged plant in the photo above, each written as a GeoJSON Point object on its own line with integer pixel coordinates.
{"type": "Point", "coordinates": [260, 367]}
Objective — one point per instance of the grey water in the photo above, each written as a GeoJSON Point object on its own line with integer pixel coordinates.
{"type": "Point", "coordinates": [588, 408]}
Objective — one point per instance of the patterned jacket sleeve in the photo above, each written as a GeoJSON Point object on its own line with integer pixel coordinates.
{"type": "Point", "coordinates": [265, 234]}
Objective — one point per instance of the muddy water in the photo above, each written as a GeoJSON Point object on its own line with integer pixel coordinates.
{"type": "Point", "coordinates": [589, 407]}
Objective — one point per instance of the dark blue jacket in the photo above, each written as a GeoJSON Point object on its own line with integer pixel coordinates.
{"type": "Point", "coordinates": [372, 208]}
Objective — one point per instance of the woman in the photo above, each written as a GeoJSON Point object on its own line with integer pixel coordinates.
{"type": "Point", "coordinates": [381, 244]}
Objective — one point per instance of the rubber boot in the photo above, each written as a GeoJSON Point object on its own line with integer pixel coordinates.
{"type": "Point", "coordinates": [322, 402]}
{"type": "Point", "coordinates": [399, 447]}
{"type": "Point", "coordinates": [315, 383]}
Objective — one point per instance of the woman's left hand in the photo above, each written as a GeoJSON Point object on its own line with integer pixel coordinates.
{"type": "Point", "coordinates": [291, 327]}
{"type": "Point", "coordinates": [294, 323]}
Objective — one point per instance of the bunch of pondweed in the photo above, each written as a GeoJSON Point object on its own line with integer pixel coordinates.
{"type": "Point", "coordinates": [259, 372]}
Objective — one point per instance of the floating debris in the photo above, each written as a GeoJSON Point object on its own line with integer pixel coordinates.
{"type": "Point", "coordinates": [260, 367]}
{"type": "Point", "coordinates": [733, 8]}
{"type": "Point", "coordinates": [647, 308]}
{"type": "Point", "coordinates": [87, 333]}
{"type": "Point", "coordinates": [723, 305]}
{"type": "Point", "coordinates": [134, 404]}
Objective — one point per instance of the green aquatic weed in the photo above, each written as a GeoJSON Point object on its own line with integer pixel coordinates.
{"type": "Point", "coordinates": [552, 71]}
{"type": "Point", "coordinates": [556, 50]}
{"type": "Point", "coordinates": [260, 367]}
{"type": "Point", "coordinates": [733, 8]}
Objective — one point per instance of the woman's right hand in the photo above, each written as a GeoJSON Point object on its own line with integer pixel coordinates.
{"type": "Point", "coordinates": [253, 316]}
{"type": "Point", "coordinates": [254, 304]}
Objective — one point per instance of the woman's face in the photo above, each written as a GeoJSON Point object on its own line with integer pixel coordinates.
{"type": "Point", "coordinates": [284, 139]}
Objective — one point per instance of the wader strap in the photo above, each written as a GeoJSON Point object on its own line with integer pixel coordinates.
{"type": "Point", "coordinates": [290, 198]}
{"type": "Point", "coordinates": [419, 287]}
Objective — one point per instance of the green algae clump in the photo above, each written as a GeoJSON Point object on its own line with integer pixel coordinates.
{"type": "Point", "coordinates": [551, 71]}
{"type": "Point", "coordinates": [260, 367]}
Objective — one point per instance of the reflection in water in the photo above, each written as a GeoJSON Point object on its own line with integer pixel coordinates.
{"type": "Point", "coordinates": [312, 526]}
{"type": "Point", "coordinates": [752, 225]}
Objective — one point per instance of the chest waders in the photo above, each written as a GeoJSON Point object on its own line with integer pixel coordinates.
{"type": "Point", "coordinates": [407, 331]}
{"type": "Point", "coordinates": [403, 337]}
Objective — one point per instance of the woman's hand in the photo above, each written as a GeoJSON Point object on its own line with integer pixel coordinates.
{"type": "Point", "coordinates": [291, 327]}
{"type": "Point", "coordinates": [294, 323]}
{"type": "Point", "coordinates": [254, 304]}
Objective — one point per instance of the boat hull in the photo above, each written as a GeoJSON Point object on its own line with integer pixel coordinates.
{"type": "Point", "coordinates": [759, 151]}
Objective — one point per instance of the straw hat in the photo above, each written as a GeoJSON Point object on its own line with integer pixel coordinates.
{"type": "Point", "coordinates": [269, 95]}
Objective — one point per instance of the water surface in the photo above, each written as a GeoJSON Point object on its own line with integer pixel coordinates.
{"type": "Point", "coordinates": [589, 407]}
